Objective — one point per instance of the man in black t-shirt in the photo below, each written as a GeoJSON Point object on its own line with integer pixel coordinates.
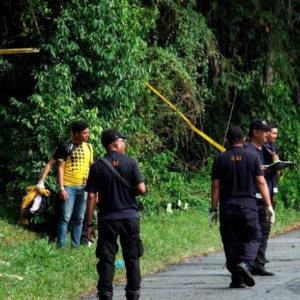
{"type": "Point", "coordinates": [118, 215]}
{"type": "Point", "coordinates": [258, 132]}
{"type": "Point", "coordinates": [234, 176]}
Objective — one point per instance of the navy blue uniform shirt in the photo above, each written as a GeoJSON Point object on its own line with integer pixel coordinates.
{"type": "Point", "coordinates": [272, 178]}
{"type": "Point", "coordinates": [116, 201]}
{"type": "Point", "coordinates": [236, 169]}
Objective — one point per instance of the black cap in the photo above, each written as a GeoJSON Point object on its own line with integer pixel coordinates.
{"type": "Point", "coordinates": [110, 136]}
{"type": "Point", "coordinates": [234, 134]}
{"type": "Point", "coordinates": [259, 124]}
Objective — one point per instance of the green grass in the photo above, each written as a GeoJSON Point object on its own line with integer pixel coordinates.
{"type": "Point", "coordinates": [50, 273]}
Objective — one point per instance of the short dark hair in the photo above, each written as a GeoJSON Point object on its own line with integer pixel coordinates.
{"type": "Point", "coordinates": [79, 126]}
{"type": "Point", "coordinates": [272, 125]}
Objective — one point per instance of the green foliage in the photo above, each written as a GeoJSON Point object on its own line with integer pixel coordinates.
{"type": "Point", "coordinates": [289, 189]}
{"type": "Point", "coordinates": [206, 57]}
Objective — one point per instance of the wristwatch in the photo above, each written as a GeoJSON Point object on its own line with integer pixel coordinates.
{"type": "Point", "coordinates": [62, 188]}
{"type": "Point", "coordinates": [213, 210]}
{"type": "Point", "coordinates": [90, 225]}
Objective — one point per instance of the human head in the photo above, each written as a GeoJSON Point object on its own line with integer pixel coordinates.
{"type": "Point", "coordinates": [272, 137]}
{"type": "Point", "coordinates": [235, 136]}
{"type": "Point", "coordinates": [113, 140]}
{"type": "Point", "coordinates": [258, 131]}
{"type": "Point", "coordinates": [80, 131]}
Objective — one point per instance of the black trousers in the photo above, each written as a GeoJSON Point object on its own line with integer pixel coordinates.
{"type": "Point", "coordinates": [265, 225]}
{"type": "Point", "coordinates": [129, 232]}
{"type": "Point", "coordinates": [241, 235]}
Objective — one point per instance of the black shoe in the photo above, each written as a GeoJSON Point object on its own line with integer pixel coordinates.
{"type": "Point", "coordinates": [104, 295]}
{"type": "Point", "coordinates": [237, 285]}
{"type": "Point", "coordinates": [243, 271]}
{"type": "Point", "coordinates": [261, 272]}
{"type": "Point", "coordinates": [132, 295]}
{"type": "Point", "coordinates": [236, 282]}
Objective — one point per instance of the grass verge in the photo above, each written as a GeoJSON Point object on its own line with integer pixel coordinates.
{"type": "Point", "coordinates": [50, 273]}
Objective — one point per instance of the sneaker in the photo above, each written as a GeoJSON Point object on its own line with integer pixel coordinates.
{"type": "Point", "coordinates": [243, 271]}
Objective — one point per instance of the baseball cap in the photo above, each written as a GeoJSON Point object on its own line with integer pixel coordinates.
{"type": "Point", "coordinates": [259, 124]}
{"type": "Point", "coordinates": [234, 134]}
{"type": "Point", "coordinates": [110, 136]}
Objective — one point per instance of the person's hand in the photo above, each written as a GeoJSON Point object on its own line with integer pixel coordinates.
{"type": "Point", "coordinates": [274, 157]}
{"type": "Point", "coordinates": [63, 195]}
{"type": "Point", "coordinates": [271, 214]}
{"type": "Point", "coordinates": [213, 218]}
{"type": "Point", "coordinates": [91, 234]}
{"type": "Point", "coordinates": [40, 185]}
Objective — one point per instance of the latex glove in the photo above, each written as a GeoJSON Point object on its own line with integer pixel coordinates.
{"type": "Point", "coordinates": [169, 208]}
{"type": "Point", "coordinates": [271, 214]}
{"type": "Point", "coordinates": [213, 218]}
{"type": "Point", "coordinates": [40, 185]}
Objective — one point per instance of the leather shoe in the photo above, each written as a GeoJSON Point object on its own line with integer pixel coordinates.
{"type": "Point", "coordinates": [236, 282]}
{"type": "Point", "coordinates": [243, 271]}
{"type": "Point", "coordinates": [261, 272]}
{"type": "Point", "coordinates": [237, 285]}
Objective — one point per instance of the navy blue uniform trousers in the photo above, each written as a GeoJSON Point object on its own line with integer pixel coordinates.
{"type": "Point", "coordinates": [241, 235]}
{"type": "Point", "coordinates": [107, 247]}
{"type": "Point", "coordinates": [265, 230]}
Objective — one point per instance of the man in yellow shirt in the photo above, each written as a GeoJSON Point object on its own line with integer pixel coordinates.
{"type": "Point", "coordinates": [74, 158]}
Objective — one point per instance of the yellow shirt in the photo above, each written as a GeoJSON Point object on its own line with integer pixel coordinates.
{"type": "Point", "coordinates": [78, 158]}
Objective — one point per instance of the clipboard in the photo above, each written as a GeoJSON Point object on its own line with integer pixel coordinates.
{"type": "Point", "coordinates": [279, 165]}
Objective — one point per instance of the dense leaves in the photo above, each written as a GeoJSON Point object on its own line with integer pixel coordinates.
{"type": "Point", "coordinates": [220, 62]}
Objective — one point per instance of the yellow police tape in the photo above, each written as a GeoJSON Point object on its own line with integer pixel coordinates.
{"type": "Point", "coordinates": [211, 141]}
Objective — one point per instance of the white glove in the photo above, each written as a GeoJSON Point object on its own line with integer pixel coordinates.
{"type": "Point", "coordinates": [40, 185]}
{"type": "Point", "coordinates": [213, 218]}
{"type": "Point", "coordinates": [169, 208]}
{"type": "Point", "coordinates": [271, 214]}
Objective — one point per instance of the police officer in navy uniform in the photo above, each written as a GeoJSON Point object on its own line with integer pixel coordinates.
{"type": "Point", "coordinates": [258, 132]}
{"type": "Point", "coordinates": [235, 175]}
{"type": "Point", "coordinates": [118, 215]}
{"type": "Point", "coordinates": [272, 149]}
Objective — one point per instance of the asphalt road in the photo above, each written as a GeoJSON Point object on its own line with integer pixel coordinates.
{"type": "Point", "coordinates": [206, 278]}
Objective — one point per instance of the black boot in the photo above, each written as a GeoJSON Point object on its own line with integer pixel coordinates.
{"type": "Point", "coordinates": [132, 295]}
{"type": "Point", "coordinates": [104, 296]}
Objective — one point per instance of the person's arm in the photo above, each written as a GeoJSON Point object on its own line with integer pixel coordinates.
{"type": "Point", "coordinates": [45, 172]}
{"type": "Point", "coordinates": [140, 189]}
{"type": "Point", "coordinates": [90, 206]}
{"type": "Point", "coordinates": [91, 188]}
{"type": "Point", "coordinates": [215, 194]}
{"type": "Point", "coordinates": [60, 177]}
{"type": "Point", "coordinates": [138, 181]}
{"type": "Point", "coordinates": [263, 188]}
{"type": "Point", "coordinates": [47, 169]}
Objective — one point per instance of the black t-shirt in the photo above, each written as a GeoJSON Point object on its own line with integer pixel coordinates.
{"type": "Point", "coordinates": [115, 200]}
{"type": "Point", "coordinates": [236, 169]}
